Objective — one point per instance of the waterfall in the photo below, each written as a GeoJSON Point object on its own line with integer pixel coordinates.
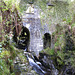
{"type": "Point", "coordinates": [35, 66]}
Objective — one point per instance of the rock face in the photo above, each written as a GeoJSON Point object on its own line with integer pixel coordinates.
{"type": "Point", "coordinates": [32, 22]}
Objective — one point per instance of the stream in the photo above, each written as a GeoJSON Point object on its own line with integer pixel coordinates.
{"type": "Point", "coordinates": [43, 65]}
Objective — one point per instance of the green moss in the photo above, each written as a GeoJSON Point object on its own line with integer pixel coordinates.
{"type": "Point", "coordinates": [73, 25]}
{"type": "Point", "coordinates": [69, 20]}
{"type": "Point", "coordinates": [49, 51]}
{"type": "Point", "coordinates": [4, 69]}
{"type": "Point", "coordinates": [64, 19]}
{"type": "Point", "coordinates": [5, 54]}
{"type": "Point", "coordinates": [56, 44]}
{"type": "Point", "coordinates": [22, 58]}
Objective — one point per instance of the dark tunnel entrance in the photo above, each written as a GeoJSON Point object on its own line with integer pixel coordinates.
{"type": "Point", "coordinates": [47, 40]}
{"type": "Point", "coordinates": [23, 39]}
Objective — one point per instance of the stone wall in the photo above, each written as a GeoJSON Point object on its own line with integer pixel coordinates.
{"type": "Point", "coordinates": [33, 23]}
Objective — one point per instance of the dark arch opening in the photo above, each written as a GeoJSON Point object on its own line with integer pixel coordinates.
{"type": "Point", "coordinates": [23, 39]}
{"type": "Point", "coordinates": [47, 40]}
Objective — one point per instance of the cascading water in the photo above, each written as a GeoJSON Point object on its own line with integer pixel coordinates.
{"type": "Point", "coordinates": [35, 66]}
{"type": "Point", "coordinates": [40, 66]}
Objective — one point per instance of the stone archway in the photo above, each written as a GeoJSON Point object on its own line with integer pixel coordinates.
{"type": "Point", "coordinates": [46, 40]}
{"type": "Point", "coordinates": [23, 39]}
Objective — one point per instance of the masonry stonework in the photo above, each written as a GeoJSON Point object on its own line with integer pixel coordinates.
{"type": "Point", "coordinates": [32, 22]}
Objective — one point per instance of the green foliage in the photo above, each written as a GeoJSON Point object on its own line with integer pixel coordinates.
{"type": "Point", "coordinates": [69, 57]}
{"type": "Point", "coordinates": [69, 20]}
{"type": "Point", "coordinates": [59, 12]}
{"type": "Point", "coordinates": [7, 56]}
{"type": "Point", "coordinates": [49, 51]}
{"type": "Point", "coordinates": [7, 50]}
{"type": "Point", "coordinates": [12, 3]}
{"type": "Point", "coordinates": [64, 19]}
{"type": "Point", "coordinates": [42, 4]}
{"type": "Point", "coordinates": [73, 24]}
{"type": "Point", "coordinates": [22, 58]}
{"type": "Point", "coordinates": [56, 44]}
{"type": "Point", "coordinates": [13, 74]}
{"type": "Point", "coordinates": [4, 69]}
{"type": "Point", "coordinates": [60, 54]}
{"type": "Point", "coordinates": [60, 41]}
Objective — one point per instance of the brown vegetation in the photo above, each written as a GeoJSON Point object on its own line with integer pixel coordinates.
{"type": "Point", "coordinates": [10, 20]}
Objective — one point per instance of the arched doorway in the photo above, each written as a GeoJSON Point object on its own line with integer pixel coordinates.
{"type": "Point", "coordinates": [23, 39]}
{"type": "Point", "coordinates": [47, 40]}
